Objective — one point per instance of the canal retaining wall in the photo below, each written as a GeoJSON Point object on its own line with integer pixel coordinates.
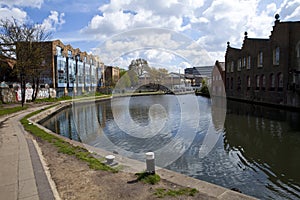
{"type": "Point", "coordinates": [134, 166]}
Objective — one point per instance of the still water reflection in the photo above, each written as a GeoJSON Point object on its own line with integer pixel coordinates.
{"type": "Point", "coordinates": [257, 150]}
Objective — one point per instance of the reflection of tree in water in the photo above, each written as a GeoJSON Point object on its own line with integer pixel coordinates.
{"type": "Point", "coordinates": [266, 139]}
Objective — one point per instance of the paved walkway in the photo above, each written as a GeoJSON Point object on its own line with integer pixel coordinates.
{"type": "Point", "coordinates": [22, 176]}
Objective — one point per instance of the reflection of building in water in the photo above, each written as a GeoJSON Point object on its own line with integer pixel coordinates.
{"type": "Point", "coordinates": [101, 114]}
{"type": "Point", "coordinates": [266, 137]}
{"type": "Point", "coordinates": [266, 70]}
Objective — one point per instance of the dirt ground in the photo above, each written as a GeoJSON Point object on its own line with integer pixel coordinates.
{"type": "Point", "coordinates": [75, 180]}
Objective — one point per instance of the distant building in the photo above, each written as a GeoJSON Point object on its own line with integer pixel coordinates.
{"type": "Point", "coordinates": [218, 79]}
{"type": "Point", "coordinates": [197, 74]}
{"type": "Point", "coordinates": [266, 70]}
{"type": "Point", "coordinates": [111, 75]}
{"type": "Point", "coordinates": [6, 68]}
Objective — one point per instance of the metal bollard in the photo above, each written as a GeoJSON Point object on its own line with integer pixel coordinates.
{"type": "Point", "coordinates": [150, 163]}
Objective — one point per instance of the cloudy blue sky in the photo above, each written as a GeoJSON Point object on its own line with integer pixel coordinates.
{"type": "Point", "coordinates": [171, 33]}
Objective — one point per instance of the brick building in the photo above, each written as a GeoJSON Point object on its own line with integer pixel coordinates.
{"type": "Point", "coordinates": [266, 70]}
{"type": "Point", "coordinates": [69, 70]}
{"type": "Point", "coordinates": [111, 75]}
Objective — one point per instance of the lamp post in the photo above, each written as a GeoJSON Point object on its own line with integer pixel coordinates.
{"type": "Point", "coordinates": [23, 87]}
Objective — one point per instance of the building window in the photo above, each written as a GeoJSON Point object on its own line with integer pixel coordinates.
{"type": "Point", "coordinates": [69, 53]}
{"type": "Point", "coordinates": [231, 83]}
{"type": "Point", "coordinates": [298, 50]}
{"type": "Point", "coordinates": [298, 56]}
{"type": "Point", "coordinates": [239, 83]}
{"type": "Point", "coordinates": [61, 71]}
{"type": "Point", "coordinates": [260, 59]}
{"type": "Point", "coordinates": [276, 54]}
{"type": "Point", "coordinates": [272, 82]}
{"type": "Point", "coordinates": [58, 51]}
{"type": "Point", "coordinates": [239, 64]}
{"type": "Point", "coordinates": [263, 82]}
{"type": "Point", "coordinates": [244, 62]}
{"type": "Point", "coordinates": [227, 83]}
{"type": "Point", "coordinates": [249, 62]}
{"type": "Point", "coordinates": [248, 82]}
{"type": "Point", "coordinates": [228, 67]}
{"type": "Point", "coordinates": [257, 82]}
{"type": "Point", "coordinates": [280, 81]}
{"type": "Point", "coordinates": [232, 66]}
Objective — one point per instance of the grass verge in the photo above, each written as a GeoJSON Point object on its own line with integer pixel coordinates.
{"type": "Point", "coordinates": [63, 146]}
{"type": "Point", "coordinates": [6, 111]}
{"type": "Point", "coordinates": [63, 98]}
{"type": "Point", "coordinates": [162, 192]}
{"type": "Point", "coordinates": [148, 178]}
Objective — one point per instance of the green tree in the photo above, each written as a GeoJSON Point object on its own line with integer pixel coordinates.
{"type": "Point", "coordinates": [124, 82]}
{"type": "Point", "coordinates": [122, 72]}
{"type": "Point", "coordinates": [204, 88]}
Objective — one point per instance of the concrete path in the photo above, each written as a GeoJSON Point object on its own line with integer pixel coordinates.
{"type": "Point", "coordinates": [22, 176]}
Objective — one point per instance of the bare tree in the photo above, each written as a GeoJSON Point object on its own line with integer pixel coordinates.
{"type": "Point", "coordinates": [139, 66]}
{"type": "Point", "coordinates": [23, 42]}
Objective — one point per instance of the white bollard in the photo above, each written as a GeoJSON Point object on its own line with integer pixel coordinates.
{"type": "Point", "coordinates": [150, 163]}
{"type": "Point", "coordinates": [109, 159]}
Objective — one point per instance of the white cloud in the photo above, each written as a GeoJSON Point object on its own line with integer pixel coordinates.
{"type": "Point", "coordinates": [210, 23]}
{"type": "Point", "coordinates": [160, 46]}
{"type": "Point", "coordinates": [290, 10]}
{"type": "Point", "coordinates": [8, 13]}
{"type": "Point", "coordinates": [53, 21]}
{"type": "Point", "coordinates": [271, 8]}
{"type": "Point", "coordinates": [118, 16]}
{"type": "Point", "coordinates": [22, 3]}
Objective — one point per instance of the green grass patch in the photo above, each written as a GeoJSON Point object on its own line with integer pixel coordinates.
{"type": "Point", "coordinates": [63, 98]}
{"type": "Point", "coordinates": [6, 111]}
{"type": "Point", "coordinates": [162, 192]}
{"type": "Point", "coordinates": [65, 147]}
{"type": "Point", "coordinates": [145, 177]}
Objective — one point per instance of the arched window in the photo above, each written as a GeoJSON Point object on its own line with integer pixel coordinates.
{"type": "Point", "coordinates": [249, 62]}
{"type": "Point", "coordinates": [239, 83]}
{"type": "Point", "coordinates": [280, 80]}
{"type": "Point", "coordinates": [276, 54]}
{"type": "Point", "coordinates": [257, 82]}
{"type": "Point", "coordinates": [227, 83]}
{"type": "Point", "coordinates": [272, 81]}
{"type": "Point", "coordinates": [298, 50]}
{"type": "Point", "coordinates": [248, 81]}
{"type": "Point", "coordinates": [232, 66]}
{"type": "Point", "coordinates": [260, 59]}
{"type": "Point", "coordinates": [263, 82]}
{"type": "Point", "coordinates": [298, 54]}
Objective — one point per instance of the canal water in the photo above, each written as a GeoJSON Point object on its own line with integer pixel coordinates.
{"type": "Point", "coordinates": [254, 149]}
